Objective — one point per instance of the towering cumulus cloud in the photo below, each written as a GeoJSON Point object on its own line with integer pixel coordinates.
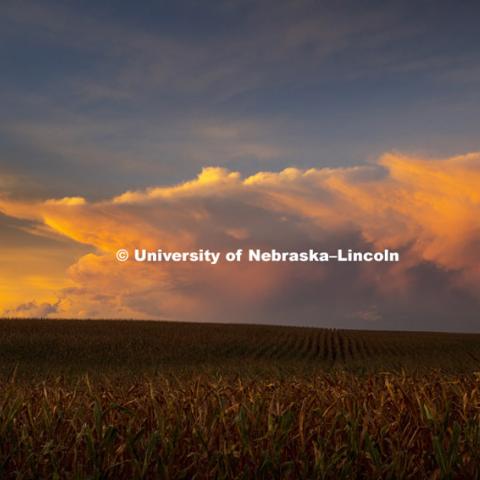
{"type": "Point", "coordinates": [427, 209]}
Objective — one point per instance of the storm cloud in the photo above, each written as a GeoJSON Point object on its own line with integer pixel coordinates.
{"type": "Point", "coordinates": [427, 209]}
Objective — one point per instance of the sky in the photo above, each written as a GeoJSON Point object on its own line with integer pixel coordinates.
{"type": "Point", "coordinates": [241, 124]}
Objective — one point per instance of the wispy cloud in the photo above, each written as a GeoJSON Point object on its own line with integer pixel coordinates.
{"type": "Point", "coordinates": [107, 94]}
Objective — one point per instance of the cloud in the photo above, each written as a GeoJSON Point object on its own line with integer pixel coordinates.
{"type": "Point", "coordinates": [32, 310]}
{"type": "Point", "coordinates": [268, 43]}
{"type": "Point", "coordinates": [142, 95]}
{"type": "Point", "coordinates": [428, 209]}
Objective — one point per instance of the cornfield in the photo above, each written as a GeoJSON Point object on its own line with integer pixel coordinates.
{"type": "Point", "coordinates": [54, 347]}
{"type": "Point", "coordinates": [113, 400]}
{"type": "Point", "coordinates": [331, 426]}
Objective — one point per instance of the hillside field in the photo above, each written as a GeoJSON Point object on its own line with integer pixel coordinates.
{"type": "Point", "coordinates": [147, 400]}
{"type": "Point", "coordinates": [54, 347]}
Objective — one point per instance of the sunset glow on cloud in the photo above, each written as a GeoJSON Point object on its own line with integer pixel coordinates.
{"type": "Point", "coordinates": [427, 209]}
{"type": "Point", "coordinates": [287, 125]}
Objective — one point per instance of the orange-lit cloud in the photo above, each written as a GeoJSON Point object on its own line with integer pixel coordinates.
{"type": "Point", "coordinates": [428, 209]}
